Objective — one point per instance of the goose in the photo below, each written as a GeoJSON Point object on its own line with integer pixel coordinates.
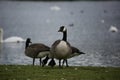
{"type": "Point", "coordinates": [36, 50]}
{"type": "Point", "coordinates": [10, 39]}
{"type": "Point", "coordinates": [61, 49]}
{"type": "Point", "coordinates": [75, 52]}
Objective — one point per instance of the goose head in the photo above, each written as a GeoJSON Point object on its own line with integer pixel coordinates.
{"type": "Point", "coordinates": [62, 29]}
{"type": "Point", "coordinates": [28, 41]}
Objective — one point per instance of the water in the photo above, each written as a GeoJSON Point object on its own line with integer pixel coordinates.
{"type": "Point", "coordinates": [88, 25]}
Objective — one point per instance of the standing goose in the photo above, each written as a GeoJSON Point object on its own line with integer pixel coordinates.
{"type": "Point", "coordinates": [36, 50]}
{"type": "Point", "coordinates": [75, 52]}
{"type": "Point", "coordinates": [61, 49]}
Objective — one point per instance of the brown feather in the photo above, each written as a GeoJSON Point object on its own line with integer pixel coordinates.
{"type": "Point", "coordinates": [34, 49]}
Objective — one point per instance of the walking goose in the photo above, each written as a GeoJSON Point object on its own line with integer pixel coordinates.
{"type": "Point", "coordinates": [36, 50]}
{"type": "Point", "coordinates": [61, 49]}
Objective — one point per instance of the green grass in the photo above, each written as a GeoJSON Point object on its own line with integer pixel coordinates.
{"type": "Point", "coordinates": [28, 72]}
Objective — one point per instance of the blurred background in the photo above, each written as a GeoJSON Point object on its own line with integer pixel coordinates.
{"type": "Point", "coordinates": [93, 27]}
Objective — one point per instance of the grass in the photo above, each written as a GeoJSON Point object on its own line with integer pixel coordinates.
{"type": "Point", "coordinates": [28, 72]}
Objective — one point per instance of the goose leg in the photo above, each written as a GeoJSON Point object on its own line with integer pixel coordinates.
{"type": "Point", "coordinates": [59, 62]}
{"type": "Point", "coordinates": [40, 62]}
{"type": "Point", "coordinates": [66, 63]}
{"type": "Point", "coordinates": [63, 62]}
{"type": "Point", "coordinates": [33, 61]}
{"type": "Point", "coordinates": [52, 63]}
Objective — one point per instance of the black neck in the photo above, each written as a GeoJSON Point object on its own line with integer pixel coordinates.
{"type": "Point", "coordinates": [27, 44]}
{"type": "Point", "coordinates": [65, 36]}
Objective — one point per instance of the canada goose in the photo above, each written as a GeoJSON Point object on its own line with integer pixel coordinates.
{"type": "Point", "coordinates": [36, 50]}
{"type": "Point", "coordinates": [75, 52]}
{"type": "Point", "coordinates": [15, 39]}
{"type": "Point", "coordinates": [61, 49]}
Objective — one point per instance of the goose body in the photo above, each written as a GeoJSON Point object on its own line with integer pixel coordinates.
{"type": "Point", "coordinates": [61, 49]}
{"type": "Point", "coordinates": [36, 50]}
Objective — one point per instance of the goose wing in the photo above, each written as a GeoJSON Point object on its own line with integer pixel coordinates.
{"type": "Point", "coordinates": [75, 50]}
{"type": "Point", "coordinates": [39, 47]}
{"type": "Point", "coordinates": [34, 49]}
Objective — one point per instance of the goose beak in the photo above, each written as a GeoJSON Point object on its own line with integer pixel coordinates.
{"type": "Point", "coordinates": [59, 31]}
{"type": "Point", "coordinates": [82, 53]}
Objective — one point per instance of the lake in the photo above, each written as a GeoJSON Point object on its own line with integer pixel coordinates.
{"type": "Point", "coordinates": [88, 24]}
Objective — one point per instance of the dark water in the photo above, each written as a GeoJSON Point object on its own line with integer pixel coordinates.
{"type": "Point", "coordinates": [88, 26]}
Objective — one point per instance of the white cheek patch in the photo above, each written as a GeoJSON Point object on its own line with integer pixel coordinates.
{"type": "Point", "coordinates": [64, 29]}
